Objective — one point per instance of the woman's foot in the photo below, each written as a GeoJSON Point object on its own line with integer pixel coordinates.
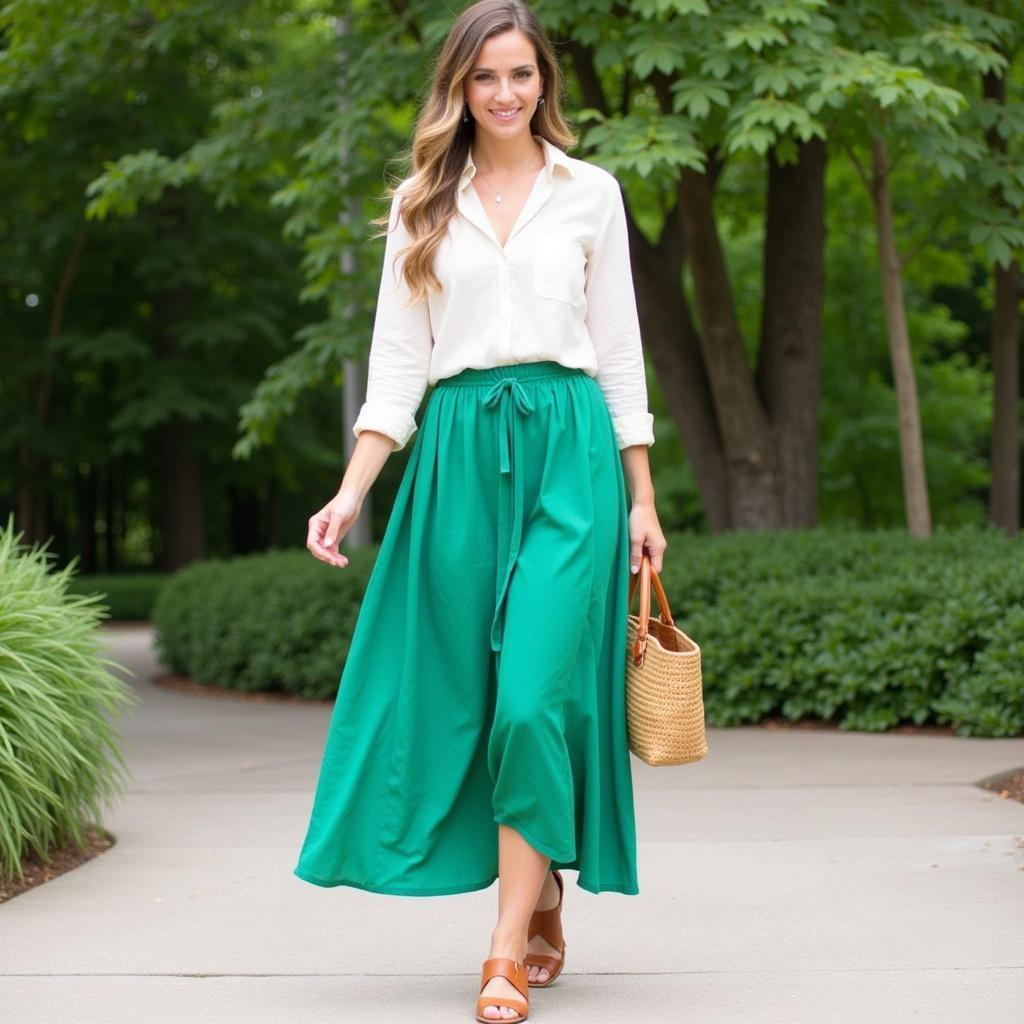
{"type": "Point", "coordinates": [500, 987]}
{"type": "Point", "coordinates": [548, 899]}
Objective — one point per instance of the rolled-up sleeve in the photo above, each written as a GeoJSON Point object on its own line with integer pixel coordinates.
{"type": "Point", "coordinates": [614, 327]}
{"type": "Point", "coordinates": [400, 347]}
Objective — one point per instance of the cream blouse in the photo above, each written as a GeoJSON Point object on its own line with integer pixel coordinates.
{"type": "Point", "coordinates": [560, 289]}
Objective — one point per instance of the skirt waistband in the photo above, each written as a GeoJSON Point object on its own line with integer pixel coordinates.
{"type": "Point", "coordinates": [538, 370]}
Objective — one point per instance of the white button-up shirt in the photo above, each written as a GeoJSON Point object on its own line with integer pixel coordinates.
{"type": "Point", "coordinates": [560, 289]}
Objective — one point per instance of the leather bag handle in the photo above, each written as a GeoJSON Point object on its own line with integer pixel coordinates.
{"type": "Point", "coordinates": [647, 576]}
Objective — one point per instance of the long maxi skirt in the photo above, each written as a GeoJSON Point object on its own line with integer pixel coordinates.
{"type": "Point", "coordinates": [485, 679]}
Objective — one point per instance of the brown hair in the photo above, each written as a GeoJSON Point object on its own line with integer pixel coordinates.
{"type": "Point", "coordinates": [441, 139]}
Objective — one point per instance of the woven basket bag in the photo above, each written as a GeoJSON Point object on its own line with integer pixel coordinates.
{"type": "Point", "coordinates": [664, 692]}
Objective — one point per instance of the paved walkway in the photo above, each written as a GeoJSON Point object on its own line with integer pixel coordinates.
{"type": "Point", "coordinates": [793, 876]}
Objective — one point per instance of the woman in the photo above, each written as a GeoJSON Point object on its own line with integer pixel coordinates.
{"type": "Point", "coordinates": [485, 679]}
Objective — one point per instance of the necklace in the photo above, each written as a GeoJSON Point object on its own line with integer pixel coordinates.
{"type": "Point", "coordinates": [497, 194]}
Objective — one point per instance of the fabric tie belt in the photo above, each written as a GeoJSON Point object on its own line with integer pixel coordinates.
{"type": "Point", "coordinates": [512, 398]}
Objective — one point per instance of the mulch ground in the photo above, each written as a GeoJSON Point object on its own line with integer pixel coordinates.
{"type": "Point", "coordinates": [61, 860]}
{"type": "Point", "coordinates": [1009, 786]}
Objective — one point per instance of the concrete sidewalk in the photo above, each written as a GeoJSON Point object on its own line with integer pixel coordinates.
{"type": "Point", "coordinates": [793, 876]}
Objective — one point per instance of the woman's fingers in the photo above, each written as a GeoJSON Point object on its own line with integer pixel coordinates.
{"type": "Point", "coordinates": [325, 530]}
{"type": "Point", "coordinates": [655, 549]}
{"type": "Point", "coordinates": [333, 528]}
{"type": "Point", "coordinates": [636, 545]}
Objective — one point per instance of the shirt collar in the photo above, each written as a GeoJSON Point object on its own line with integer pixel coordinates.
{"type": "Point", "coordinates": [553, 157]}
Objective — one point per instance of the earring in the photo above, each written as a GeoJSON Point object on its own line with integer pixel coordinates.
{"type": "Point", "coordinates": [541, 100]}
{"type": "Point", "coordinates": [465, 113]}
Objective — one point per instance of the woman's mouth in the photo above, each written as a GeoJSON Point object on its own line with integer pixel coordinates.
{"type": "Point", "coordinates": [505, 115]}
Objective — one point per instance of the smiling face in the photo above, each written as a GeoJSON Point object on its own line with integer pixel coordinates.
{"type": "Point", "coordinates": [504, 84]}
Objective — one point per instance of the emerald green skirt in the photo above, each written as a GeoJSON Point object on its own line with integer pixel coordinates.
{"type": "Point", "coordinates": [485, 681]}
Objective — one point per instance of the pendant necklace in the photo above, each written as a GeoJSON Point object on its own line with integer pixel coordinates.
{"type": "Point", "coordinates": [497, 195]}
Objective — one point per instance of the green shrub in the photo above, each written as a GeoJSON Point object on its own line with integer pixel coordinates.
{"type": "Point", "coordinates": [59, 754]}
{"type": "Point", "coordinates": [129, 595]}
{"type": "Point", "coordinates": [279, 620]}
{"type": "Point", "coordinates": [867, 629]}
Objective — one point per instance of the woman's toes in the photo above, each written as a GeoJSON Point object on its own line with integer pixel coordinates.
{"type": "Point", "coordinates": [535, 973]}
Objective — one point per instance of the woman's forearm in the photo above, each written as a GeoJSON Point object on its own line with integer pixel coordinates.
{"type": "Point", "coordinates": [370, 453]}
{"type": "Point", "coordinates": [637, 468]}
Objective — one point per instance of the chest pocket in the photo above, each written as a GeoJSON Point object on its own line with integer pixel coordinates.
{"type": "Point", "coordinates": [558, 270]}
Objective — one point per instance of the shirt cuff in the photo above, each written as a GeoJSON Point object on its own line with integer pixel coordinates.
{"type": "Point", "coordinates": [386, 418]}
{"type": "Point", "coordinates": [636, 428]}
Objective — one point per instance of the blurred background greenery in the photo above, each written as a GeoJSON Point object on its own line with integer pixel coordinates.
{"type": "Point", "coordinates": [825, 210]}
{"type": "Point", "coordinates": [186, 195]}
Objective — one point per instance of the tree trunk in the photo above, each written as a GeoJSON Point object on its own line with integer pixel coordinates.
{"type": "Point", "coordinates": [789, 364]}
{"type": "Point", "coordinates": [110, 515]}
{"type": "Point", "coordinates": [86, 507]}
{"type": "Point", "coordinates": [180, 470]}
{"type": "Point", "coordinates": [1004, 497]}
{"type": "Point", "coordinates": [181, 496]}
{"type": "Point", "coordinates": [35, 466]}
{"type": "Point", "coordinates": [915, 486]}
{"type": "Point", "coordinates": [673, 344]}
{"type": "Point", "coordinates": [751, 462]}
{"type": "Point", "coordinates": [753, 444]}
{"type": "Point", "coordinates": [273, 499]}
{"type": "Point", "coordinates": [31, 517]}
{"type": "Point", "coordinates": [749, 475]}
{"type": "Point", "coordinates": [247, 508]}
{"type": "Point", "coordinates": [354, 371]}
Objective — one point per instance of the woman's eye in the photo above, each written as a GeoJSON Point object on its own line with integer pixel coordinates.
{"type": "Point", "coordinates": [519, 74]}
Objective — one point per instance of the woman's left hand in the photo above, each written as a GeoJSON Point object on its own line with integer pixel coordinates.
{"type": "Point", "coordinates": [645, 534]}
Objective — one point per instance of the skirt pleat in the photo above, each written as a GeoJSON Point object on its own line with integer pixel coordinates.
{"type": "Point", "coordinates": [485, 680]}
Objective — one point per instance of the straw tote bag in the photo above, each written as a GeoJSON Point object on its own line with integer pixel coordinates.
{"type": "Point", "coordinates": [664, 692]}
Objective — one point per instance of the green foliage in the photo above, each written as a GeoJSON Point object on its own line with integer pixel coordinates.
{"type": "Point", "coordinates": [173, 300]}
{"type": "Point", "coordinates": [128, 595]}
{"type": "Point", "coordinates": [859, 457]}
{"type": "Point", "coordinates": [279, 137]}
{"type": "Point", "coordinates": [279, 620]}
{"type": "Point", "coordinates": [60, 757]}
{"type": "Point", "coordinates": [869, 630]}
{"type": "Point", "coordinates": [222, 160]}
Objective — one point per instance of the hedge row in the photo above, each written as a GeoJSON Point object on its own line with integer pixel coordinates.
{"type": "Point", "coordinates": [129, 595]}
{"type": "Point", "coordinates": [867, 629]}
{"type": "Point", "coordinates": [279, 620]}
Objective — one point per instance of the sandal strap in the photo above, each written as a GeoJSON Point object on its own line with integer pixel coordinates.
{"type": "Point", "coordinates": [548, 923]}
{"type": "Point", "coordinates": [543, 960]}
{"type": "Point", "coordinates": [506, 967]}
{"type": "Point", "coordinates": [516, 1004]}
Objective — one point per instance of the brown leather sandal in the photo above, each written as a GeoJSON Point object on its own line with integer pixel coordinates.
{"type": "Point", "coordinates": [506, 967]}
{"type": "Point", "coordinates": [548, 925]}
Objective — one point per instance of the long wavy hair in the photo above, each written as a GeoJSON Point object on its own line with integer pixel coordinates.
{"type": "Point", "coordinates": [441, 139]}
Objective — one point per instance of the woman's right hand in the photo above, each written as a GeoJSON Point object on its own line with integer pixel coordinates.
{"type": "Point", "coordinates": [330, 524]}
